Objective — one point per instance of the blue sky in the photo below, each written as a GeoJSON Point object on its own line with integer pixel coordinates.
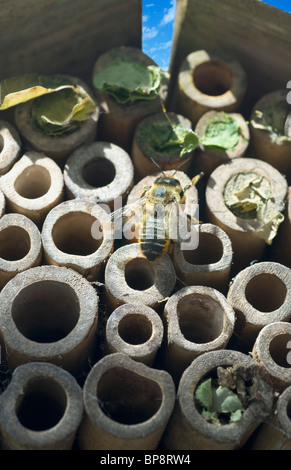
{"type": "Point", "coordinates": [158, 22]}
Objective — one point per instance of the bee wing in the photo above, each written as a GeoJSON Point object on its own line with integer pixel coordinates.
{"type": "Point", "coordinates": [126, 211]}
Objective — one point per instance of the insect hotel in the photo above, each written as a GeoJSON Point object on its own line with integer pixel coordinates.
{"type": "Point", "coordinates": [145, 250]}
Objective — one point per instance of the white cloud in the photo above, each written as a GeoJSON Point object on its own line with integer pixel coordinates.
{"type": "Point", "coordinates": [169, 14]}
{"type": "Point", "coordinates": [145, 18]}
{"type": "Point", "coordinates": [162, 46]}
{"type": "Point", "coordinates": [149, 33]}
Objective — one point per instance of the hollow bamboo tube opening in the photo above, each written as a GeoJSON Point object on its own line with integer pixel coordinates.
{"type": "Point", "coordinates": [275, 434]}
{"type": "Point", "coordinates": [135, 330]}
{"type": "Point", "coordinates": [20, 246]}
{"type": "Point", "coordinates": [260, 295]}
{"type": "Point", "coordinates": [210, 263]}
{"type": "Point", "coordinates": [40, 409]}
{"type": "Point", "coordinates": [272, 350]}
{"type": "Point", "coordinates": [101, 172]}
{"type": "Point", "coordinates": [131, 278]}
{"type": "Point", "coordinates": [49, 314]}
{"type": "Point", "coordinates": [78, 234]}
{"type": "Point", "coordinates": [189, 430]}
{"type": "Point", "coordinates": [127, 405]}
{"type": "Point", "coordinates": [33, 186]}
{"type": "Point", "coordinates": [199, 319]}
{"type": "Point", "coordinates": [208, 81]}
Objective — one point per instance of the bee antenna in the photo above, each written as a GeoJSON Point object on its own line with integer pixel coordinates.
{"type": "Point", "coordinates": [181, 164]}
{"type": "Point", "coordinates": [157, 165]}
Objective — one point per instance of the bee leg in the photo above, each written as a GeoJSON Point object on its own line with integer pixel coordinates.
{"type": "Point", "coordinates": [194, 181]}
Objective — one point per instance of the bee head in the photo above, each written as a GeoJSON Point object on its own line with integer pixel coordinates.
{"type": "Point", "coordinates": [168, 180]}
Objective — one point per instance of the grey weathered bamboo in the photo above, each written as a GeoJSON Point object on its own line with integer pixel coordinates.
{"type": "Point", "coordinates": [259, 295]}
{"type": "Point", "coordinates": [198, 319]}
{"type": "Point", "coordinates": [41, 409]}
{"type": "Point", "coordinates": [247, 246]}
{"type": "Point", "coordinates": [49, 314]}
{"type": "Point", "coordinates": [78, 234]}
{"type": "Point", "coordinates": [209, 81]}
{"type": "Point", "coordinates": [188, 430]}
{"type": "Point", "coordinates": [134, 330]}
{"type": "Point", "coordinates": [207, 158]}
{"type": "Point", "coordinates": [127, 405]}
{"type": "Point", "coordinates": [275, 433]}
{"type": "Point", "coordinates": [210, 263]}
{"type": "Point", "coordinates": [131, 278]}
{"type": "Point", "coordinates": [118, 122]}
{"type": "Point", "coordinates": [100, 171]}
{"type": "Point", "coordinates": [33, 186]}
{"type": "Point", "coordinates": [10, 146]}
{"type": "Point", "coordinates": [272, 351]}
{"type": "Point", "coordinates": [20, 246]}
{"type": "Point", "coordinates": [281, 250]}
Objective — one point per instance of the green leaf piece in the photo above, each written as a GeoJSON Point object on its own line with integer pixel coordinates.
{"type": "Point", "coordinates": [271, 119]}
{"type": "Point", "coordinates": [203, 394]}
{"type": "Point", "coordinates": [249, 196]}
{"type": "Point", "coordinates": [128, 81]}
{"type": "Point", "coordinates": [170, 138]}
{"type": "Point", "coordinates": [225, 400]}
{"type": "Point", "coordinates": [222, 131]}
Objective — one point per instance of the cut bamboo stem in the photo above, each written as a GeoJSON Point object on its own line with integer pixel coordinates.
{"type": "Point", "coordinates": [259, 295]}
{"type": "Point", "coordinates": [131, 278]}
{"type": "Point", "coordinates": [49, 314]}
{"type": "Point", "coordinates": [247, 246]}
{"type": "Point", "coordinates": [78, 234]}
{"type": "Point", "coordinates": [275, 434]}
{"type": "Point", "coordinates": [189, 430]}
{"type": "Point", "coordinates": [41, 409]}
{"type": "Point", "coordinates": [207, 81]}
{"type": "Point", "coordinates": [20, 246]}
{"type": "Point", "coordinates": [198, 319]}
{"type": "Point", "coordinates": [33, 186]}
{"type": "Point", "coordinates": [118, 122]}
{"type": "Point", "coordinates": [210, 263]}
{"type": "Point", "coordinates": [207, 158]}
{"type": "Point", "coordinates": [272, 351]}
{"type": "Point", "coordinates": [127, 405]}
{"type": "Point", "coordinates": [100, 171]}
{"type": "Point", "coordinates": [10, 146]}
{"type": "Point", "coordinates": [135, 330]}
{"type": "Point", "coordinates": [143, 150]}
{"type": "Point", "coordinates": [56, 147]}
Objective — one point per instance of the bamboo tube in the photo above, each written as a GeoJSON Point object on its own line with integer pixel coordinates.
{"type": "Point", "coordinates": [10, 146]}
{"type": "Point", "coordinates": [134, 330]}
{"type": "Point", "coordinates": [259, 295]}
{"type": "Point", "coordinates": [127, 405]}
{"type": "Point", "coordinates": [189, 430]}
{"type": "Point", "coordinates": [78, 234]}
{"type": "Point", "coordinates": [20, 246]}
{"type": "Point", "coordinates": [33, 186]}
{"type": "Point", "coordinates": [2, 203]}
{"type": "Point", "coordinates": [210, 263]}
{"type": "Point", "coordinates": [56, 147]}
{"type": "Point", "coordinates": [272, 351]}
{"type": "Point", "coordinates": [143, 150]}
{"type": "Point", "coordinates": [207, 81]}
{"type": "Point", "coordinates": [99, 171]}
{"type": "Point", "coordinates": [41, 409]}
{"type": "Point", "coordinates": [266, 145]}
{"type": "Point", "coordinates": [118, 122]}
{"type": "Point", "coordinates": [49, 314]}
{"type": "Point", "coordinates": [275, 434]}
{"type": "Point", "coordinates": [247, 246]}
{"type": "Point", "coordinates": [207, 158]}
{"type": "Point", "coordinates": [131, 278]}
{"type": "Point", "coordinates": [198, 319]}
{"type": "Point", "coordinates": [281, 250]}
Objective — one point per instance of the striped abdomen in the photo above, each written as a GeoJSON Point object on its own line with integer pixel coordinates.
{"type": "Point", "coordinates": [154, 240]}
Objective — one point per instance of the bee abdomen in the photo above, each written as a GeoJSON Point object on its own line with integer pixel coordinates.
{"type": "Point", "coordinates": [153, 249]}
